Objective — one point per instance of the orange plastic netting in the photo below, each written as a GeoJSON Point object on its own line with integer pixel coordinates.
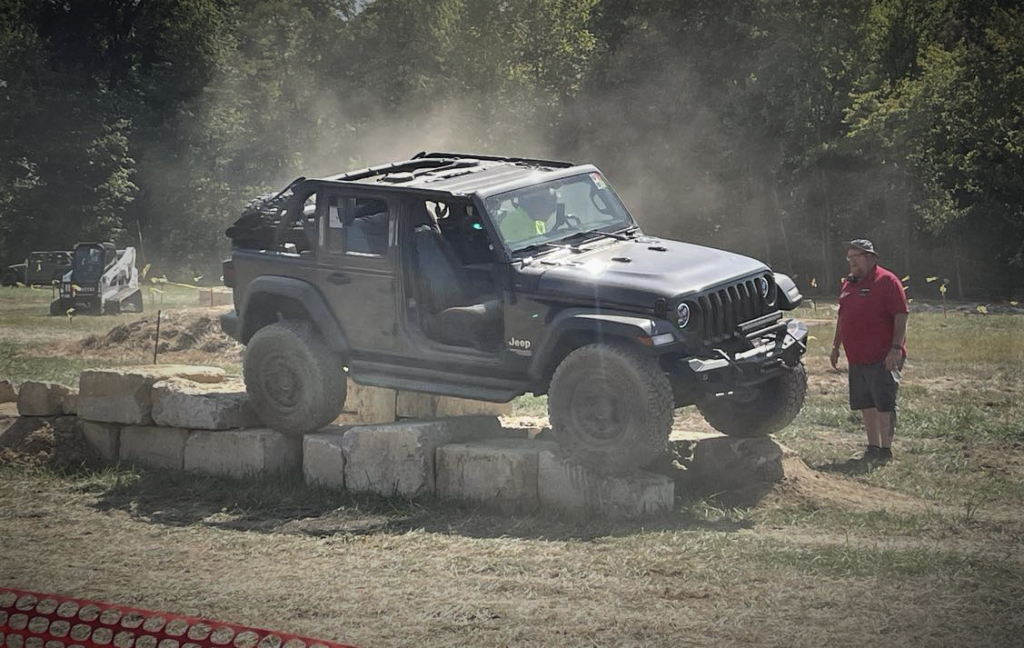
{"type": "Point", "coordinates": [34, 620]}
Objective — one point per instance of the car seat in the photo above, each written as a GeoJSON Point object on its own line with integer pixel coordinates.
{"type": "Point", "coordinates": [451, 313]}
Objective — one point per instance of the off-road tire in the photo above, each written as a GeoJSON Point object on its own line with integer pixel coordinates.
{"type": "Point", "coordinates": [295, 382]}
{"type": "Point", "coordinates": [776, 404]}
{"type": "Point", "coordinates": [610, 407]}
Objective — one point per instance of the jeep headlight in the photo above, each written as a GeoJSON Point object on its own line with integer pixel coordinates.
{"type": "Point", "coordinates": [683, 313]}
{"type": "Point", "coordinates": [766, 286]}
{"type": "Point", "coordinates": [762, 287]}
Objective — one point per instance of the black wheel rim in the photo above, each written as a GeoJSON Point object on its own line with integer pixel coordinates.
{"type": "Point", "coordinates": [598, 412]}
{"type": "Point", "coordinates": [281, 383]}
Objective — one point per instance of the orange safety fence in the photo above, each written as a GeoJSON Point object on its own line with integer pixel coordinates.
{"type": "Point", "coordinates": [34, 620]}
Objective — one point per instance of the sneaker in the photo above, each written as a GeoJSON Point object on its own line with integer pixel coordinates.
{"type": "Point", "coordinates": [884, 455]}
{"type": "Point", "coordinates": [870, 453]}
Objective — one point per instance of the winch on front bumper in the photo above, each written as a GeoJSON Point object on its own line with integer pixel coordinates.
{"type": "Point", "coordinates": [776, 349]}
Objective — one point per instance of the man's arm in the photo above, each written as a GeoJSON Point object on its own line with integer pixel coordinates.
{"type": "Point", "coordinates": [894, 358]}
{"type": "Point", "coordinates": [836, 343]}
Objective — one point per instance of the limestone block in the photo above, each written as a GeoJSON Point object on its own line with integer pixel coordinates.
{"type": "Point", "coordinates": [415, 405]}
{"type": "Point", "coordinates": [158, 447]}
{"type": "Point", "coordinates": [104, 438]}
{"type": "Point", "coordinates": [364, 405]}
{"type": "Point", "coordinates": [323, 461]}
{"type": "Point", "coordinates": [8, 394]}
{"type": "Point", "coordinates": [38, 398]}
{"type": "Point", "coordinates": [399, 458]}
{"type": "Point", "coordinates": [123, 394]}
{"type": "Point", "coordinates": [498, 473]}
{"type": "Point", "coordinates": [69, 404]}
{"type": "Point", "coordinates": [725, 463]}
{"type": "Point", "coordinates": [240, 453]}
{"type": "Point", "coordinates": [178, 402]}
{"type": "Point", "coordinates": [424, 406]}
{"type": "Point", "coordinates": [215, 297]}
{"type": "Point", "coordinates": [451, 406]}
{"type": "Point", "coordinates": [568, 488]}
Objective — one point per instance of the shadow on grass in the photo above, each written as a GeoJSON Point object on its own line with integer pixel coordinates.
{"type": "Point", "coordinates": [288, 506]}
{"type": "Point", "coordinates": [849, 467]}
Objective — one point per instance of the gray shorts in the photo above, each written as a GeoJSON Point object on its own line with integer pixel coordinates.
{"type": "Point", "coordinates": [872, 385]}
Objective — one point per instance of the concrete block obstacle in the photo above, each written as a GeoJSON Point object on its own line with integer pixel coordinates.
{"type": "Point", "coordinates": [123, 395]}
{"type": "Point", "coordinates": [727, 464]}
{"type": "Point", "coordinates": [41, 398]}
{"type": "Point", "coordinates": [364, 404]}
{"type": "Point", "coordinates": [104, 438]}
{"type": "Point", "coordinates": [500, 474]}
{"type": "Point", "coordinates": [577, 491]}
{"type": "Point", "coordinates": [182, 403]}
{"type": "Point", "coordinates": [196, 419]}
{"type": "Point", "coordinates": [399, 458]}
{"type": "Point", "coordinates": [242, 453]}
{"type": "Point", "coordinates": [323, 460]}
{"type": "Point", "coordinates": [8, 393]}
{"type": "Point", "coordinates": [415, 405]}
{"type": "Point", "coordinates": [156, 447]}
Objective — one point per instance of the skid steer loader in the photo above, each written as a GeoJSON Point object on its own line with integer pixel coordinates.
{"type": "Point", "coordinates": [102, 281]}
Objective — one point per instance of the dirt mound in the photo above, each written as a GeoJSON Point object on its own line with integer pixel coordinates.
{"type": "Point", "coordinates": [805, 486]}
{"type": "Point", "coordinates": [39, 441]}
{"type": "Point", "coordinates": [185, 330]}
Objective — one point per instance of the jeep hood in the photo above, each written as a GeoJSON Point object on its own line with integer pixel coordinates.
{"type": "Point", "coordinates": [635, 273]}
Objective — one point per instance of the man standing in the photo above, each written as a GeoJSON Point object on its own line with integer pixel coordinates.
{"type": "Point", "coordinates": [872, 328]}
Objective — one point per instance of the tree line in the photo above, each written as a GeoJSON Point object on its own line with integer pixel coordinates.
{"type": "Point", "coordinates": [776, 128]}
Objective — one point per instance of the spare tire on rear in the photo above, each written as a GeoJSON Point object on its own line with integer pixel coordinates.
{"type": "Point", "coordinates": [295, 382]}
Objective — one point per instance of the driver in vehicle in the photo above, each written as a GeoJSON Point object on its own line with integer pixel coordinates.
{"type": "Point", "coordinates": [529, 216]}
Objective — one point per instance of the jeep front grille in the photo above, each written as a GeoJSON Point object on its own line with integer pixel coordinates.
{"type": "Point", "coordinates": [723, 310]}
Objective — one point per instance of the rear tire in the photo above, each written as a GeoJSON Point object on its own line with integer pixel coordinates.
{"type": "Point", "coordinates": [776, 404]}
{"type": "Point", "coordinates": [610, 407]}
{"type": "Point", "coordinates": [295, 382]}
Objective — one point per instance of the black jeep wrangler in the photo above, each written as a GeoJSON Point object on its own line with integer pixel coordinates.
{"type": "Point", "coordinates": [488, 277]}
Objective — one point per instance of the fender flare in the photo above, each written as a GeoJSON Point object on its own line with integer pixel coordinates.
{"type": "Point", "coordinates": [789, 295]}
{"type": "Point", "coordinates": [620, 326]}
{"type": "Point", "coordinates": [296, 290]}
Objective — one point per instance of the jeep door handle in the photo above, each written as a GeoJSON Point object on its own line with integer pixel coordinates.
{"type": "Point", "coordinates": [339, 278]}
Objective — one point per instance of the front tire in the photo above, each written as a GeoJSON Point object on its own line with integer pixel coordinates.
{"type": "Point", "coordinates": [295, 382]}
{"type": "Point", "coordinates": [610, 407]}
{"type": "Point", "coordinates": [776, 404]}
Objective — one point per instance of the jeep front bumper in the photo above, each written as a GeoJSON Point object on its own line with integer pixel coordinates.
{"type": "Point", "coordinates": [776, 348]}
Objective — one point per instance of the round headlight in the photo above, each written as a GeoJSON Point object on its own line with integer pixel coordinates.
{"type": "Point", "coordinates": [683, 312]}
{"type": "Point", "coordinates": [762, 287]}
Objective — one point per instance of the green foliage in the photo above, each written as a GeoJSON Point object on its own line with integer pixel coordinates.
{"type": "Point", "coordinates": [772, 127]}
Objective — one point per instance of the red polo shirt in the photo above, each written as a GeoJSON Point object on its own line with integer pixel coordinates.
{"type": "Point", "coordinates": [867, 312]}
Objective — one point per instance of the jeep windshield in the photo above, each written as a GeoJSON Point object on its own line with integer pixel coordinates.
{"type": "Point", "coordinates": [541, 215]}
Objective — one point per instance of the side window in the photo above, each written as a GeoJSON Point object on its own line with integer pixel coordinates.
{"type": "Point", "coordinates": [357, 226]}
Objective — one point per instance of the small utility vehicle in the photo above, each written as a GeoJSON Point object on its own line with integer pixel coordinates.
{"type": "Point", "coordinates": [489, 277]}
{"type": "Point", "coordinates": [102, 281]}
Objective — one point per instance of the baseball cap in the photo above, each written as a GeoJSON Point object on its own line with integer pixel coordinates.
{"type": "Point", "coordinates": [863, 245]}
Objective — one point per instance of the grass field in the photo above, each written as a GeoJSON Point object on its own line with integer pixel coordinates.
{"type": "Point", "coordinates": [925, 551]}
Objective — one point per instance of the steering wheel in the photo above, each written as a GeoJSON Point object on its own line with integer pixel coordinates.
{"type": "Point", "coordinates": [566, 221]}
